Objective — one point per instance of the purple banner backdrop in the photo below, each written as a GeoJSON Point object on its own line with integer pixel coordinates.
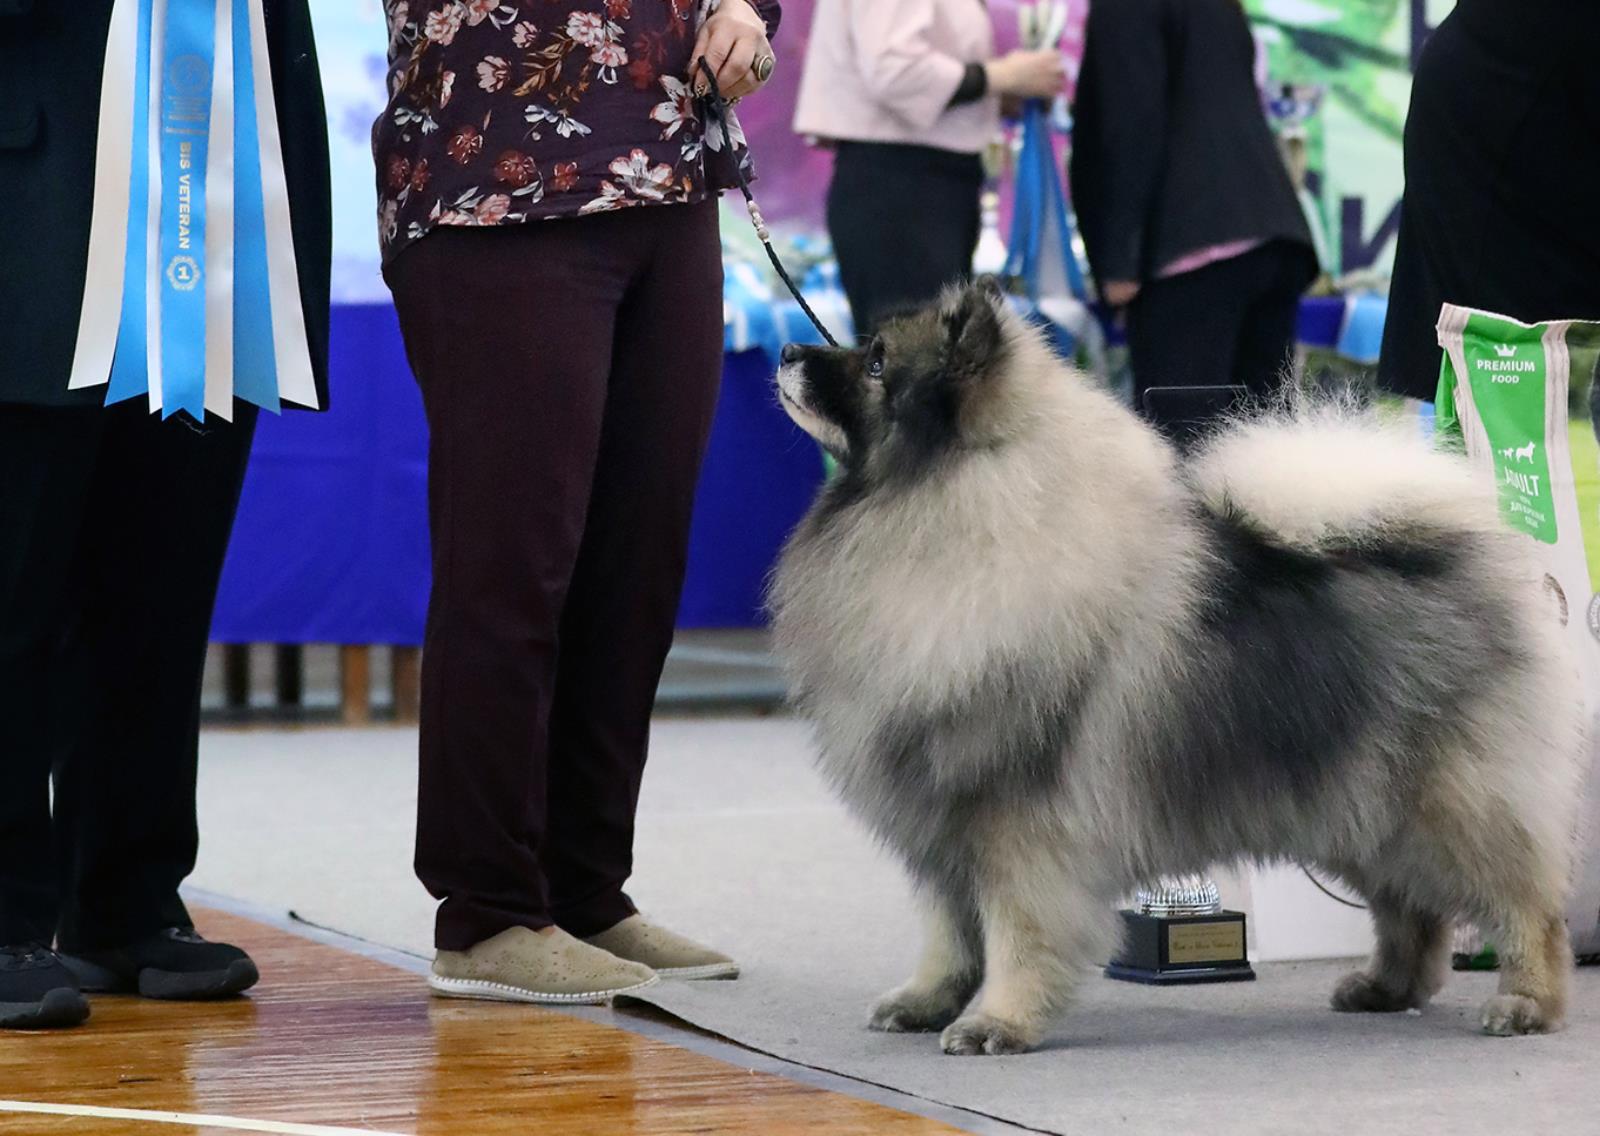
{"type": "Point", "coordinates": [794, 174]}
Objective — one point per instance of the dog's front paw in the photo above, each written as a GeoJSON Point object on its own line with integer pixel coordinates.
{"type": "Point", "coordinates": [980, 1034]}
{"type": "Point", "coordinates": [909, 1010]}
{"type": "Point", "coordinates": [1360, 993]}
{"type": "Point", "coordinates": [1506, 1015]}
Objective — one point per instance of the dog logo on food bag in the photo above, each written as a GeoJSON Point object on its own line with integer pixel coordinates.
{"type": "Point", "coordinates": [1525, 494]}
{"type": "Point", "coordinates": [1506, 369]}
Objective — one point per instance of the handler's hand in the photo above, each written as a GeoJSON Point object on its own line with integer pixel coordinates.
{"type": "Point", "coordinates": [731, 41]}
{"type": "Point", "coordinates": [1119, 293]}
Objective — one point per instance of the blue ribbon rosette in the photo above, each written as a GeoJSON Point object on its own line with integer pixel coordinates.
{"type": "Point", "coordinates": [189, 196]}
{"type": "Point", "coordinates": [1040, 253]}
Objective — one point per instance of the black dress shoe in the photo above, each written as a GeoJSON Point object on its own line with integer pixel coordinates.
{"type": "Point", "coordinates": [37, 991]}
{"type": "Point", "coordinates": [174, 964]}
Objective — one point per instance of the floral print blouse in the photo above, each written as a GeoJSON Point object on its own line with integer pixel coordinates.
{"type": "Point", "coordinates": [505, 111]}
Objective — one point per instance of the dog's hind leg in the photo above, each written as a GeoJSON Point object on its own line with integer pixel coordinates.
{"type": "Point", "coordinates": [1507, 872]}
{"type": "Point", "coordinates": [948, 972]}
{"type": "Point", "coordinates": [1508, 857]}
{"type": "Point", "coordinates": [1523, 878]}
{"type": "Point", "coordinates": [1409, 965]}
{"type": "Point", "coordinates": [1041, 924]}
{"type": "Point", "coordinates": [1535, 965]}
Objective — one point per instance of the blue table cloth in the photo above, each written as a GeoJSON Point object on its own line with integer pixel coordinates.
{"type": "Point", "coordinates": [331, 545]}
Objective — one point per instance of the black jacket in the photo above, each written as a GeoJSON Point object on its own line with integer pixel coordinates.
{"type": "Point", "coordinates": [1502, 154]}
{"type": "Point", "coordinates": [51, 54]}
{"type": "Point", "coordinates": [1171, 151]}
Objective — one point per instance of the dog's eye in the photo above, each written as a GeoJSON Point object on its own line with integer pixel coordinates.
{"type": "Point", "coordinates": [875, 368]}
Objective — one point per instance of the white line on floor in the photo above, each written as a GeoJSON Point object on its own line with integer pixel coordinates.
{"type": "Point", "coordinates": [275, 1127]}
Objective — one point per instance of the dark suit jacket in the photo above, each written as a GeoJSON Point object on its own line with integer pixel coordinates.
{"type": "Point", "coordinates": [1502, 153]}
{"type": "Point", "coordinates": [51, 54]}
{"type": "Point", "coordinates": [1171, 151]}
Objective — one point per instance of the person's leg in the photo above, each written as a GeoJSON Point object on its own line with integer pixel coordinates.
{"type": "Point", "coordinates": [944, 226]}
{"type": "Point", "coordinates": [46, 460]}
{"type": "Point", "coordinates": [1266, 344]}
{"type": "Point", "coordinates": [159, 518]}
{"type": "Point", "coordinates": [622, 608]}
{"type": "Point", "coordinates": [510, 335]}
{"type": "Point", "coordinates": [859, 241]}
{"type": "Point", "coordinates": [902, 229]}
{"type": "Point", "coordinates": [1182, 330]}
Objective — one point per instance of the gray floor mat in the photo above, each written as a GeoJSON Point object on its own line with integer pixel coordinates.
{"type": "Point", "coordinates": [740, 845]}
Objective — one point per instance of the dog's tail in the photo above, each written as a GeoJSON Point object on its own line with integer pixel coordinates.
{"type": "Point", "coordinates": [1314, 478]}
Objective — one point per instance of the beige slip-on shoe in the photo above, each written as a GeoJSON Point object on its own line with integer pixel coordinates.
{"type": "Point", "coordinates": [519, 965]}
{"type": "Point", "coordinates": [666, 952]}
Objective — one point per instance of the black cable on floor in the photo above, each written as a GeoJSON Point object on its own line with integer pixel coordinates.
{"type": "Point", "coordinates": [1316, 883]}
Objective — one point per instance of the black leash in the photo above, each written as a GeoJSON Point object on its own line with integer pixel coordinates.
{"type": "Point", "coordinates": [716, 107]}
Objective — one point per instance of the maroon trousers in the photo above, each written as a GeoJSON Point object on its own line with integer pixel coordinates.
{"type": "Point", "coordinates": [569, 370]}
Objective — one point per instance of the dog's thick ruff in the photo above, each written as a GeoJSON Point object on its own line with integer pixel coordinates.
{"type": "Point", "coordinates": [1045, 663]}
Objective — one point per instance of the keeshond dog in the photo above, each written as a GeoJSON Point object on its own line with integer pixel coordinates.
{"type": "Point", "coordinates": [1047, 660]}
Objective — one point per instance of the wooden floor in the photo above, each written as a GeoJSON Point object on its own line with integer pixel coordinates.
{"type": "Point", "coordinates": [333, 1041]}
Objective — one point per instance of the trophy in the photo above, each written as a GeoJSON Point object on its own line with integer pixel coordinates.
{"type": "Point", "coordinates": [1178, 932]}
{"type": "Point", "coordinates": [1290, 108]}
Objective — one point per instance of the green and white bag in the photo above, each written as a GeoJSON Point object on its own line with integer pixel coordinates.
{"type": "Point", "coordinates": [1516, 395]}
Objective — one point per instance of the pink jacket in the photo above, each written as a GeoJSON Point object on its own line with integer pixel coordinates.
{"type": "Point", "coordinates": [884, 71]}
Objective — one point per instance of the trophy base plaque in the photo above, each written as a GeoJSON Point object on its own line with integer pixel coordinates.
{"type": "Point", "coordinates": [1172, 950]}
{"type": "Point", "coordinates": [1180, 934]}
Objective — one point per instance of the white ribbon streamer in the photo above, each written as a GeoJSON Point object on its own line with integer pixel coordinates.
{"type": "Point", "coordinates": [219, 225]}
{"type": "Point", "coordinates": [296, 379]}
{"type": "Point", "coordinates": [108, 230]}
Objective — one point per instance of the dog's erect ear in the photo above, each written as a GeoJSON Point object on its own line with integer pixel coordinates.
{"type": "Point", "coordinates": [976, 334]}
{"type": "Point", "coordinates": [990, 285]}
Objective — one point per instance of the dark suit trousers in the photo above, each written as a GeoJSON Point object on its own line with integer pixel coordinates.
{"type": "Point", "coordinates": [1231, 323]}
{"type": "Point", "coordinates": [569, 369]}
{"type": "Point", "coordinates": [113, 526]}
{"type": "Point", "coordinates": [904, 221]}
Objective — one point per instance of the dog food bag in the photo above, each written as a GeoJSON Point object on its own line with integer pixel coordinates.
{"type": "Point", "coordinates": [1509, 392]}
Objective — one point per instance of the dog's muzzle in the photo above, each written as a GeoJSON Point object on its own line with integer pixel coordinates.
{"type": "Point", "coordinates": [794, 398]}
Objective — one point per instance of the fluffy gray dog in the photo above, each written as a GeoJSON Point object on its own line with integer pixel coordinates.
{"type": "Point", "coordinates": [1046, 661]}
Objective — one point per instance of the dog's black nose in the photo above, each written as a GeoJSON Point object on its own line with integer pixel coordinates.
{"type": "Point", "coordinates": [791, 353]}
